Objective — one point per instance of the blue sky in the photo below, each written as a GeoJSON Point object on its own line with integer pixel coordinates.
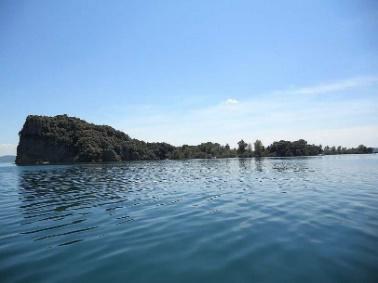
{"type": "Point", "coordinates": [194, 71]}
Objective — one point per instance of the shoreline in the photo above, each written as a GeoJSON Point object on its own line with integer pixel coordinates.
{"type": "Point", "coordinates": [183, 159]}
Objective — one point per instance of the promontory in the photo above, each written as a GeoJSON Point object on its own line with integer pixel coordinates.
{"type": "Point", "coordinates": [62, 139]}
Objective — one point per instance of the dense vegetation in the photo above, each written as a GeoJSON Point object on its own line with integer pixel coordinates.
{"type": "Point", "coordinates": [343, 150]}
{"type": "Point", "coordinates": [63, 139]}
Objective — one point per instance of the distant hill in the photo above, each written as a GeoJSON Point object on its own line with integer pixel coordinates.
{"type": "Point", "coordinates": [7, 159]}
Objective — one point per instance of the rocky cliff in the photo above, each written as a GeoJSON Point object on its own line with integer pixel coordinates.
{"type": "Point", "coordinates": [63, 139]}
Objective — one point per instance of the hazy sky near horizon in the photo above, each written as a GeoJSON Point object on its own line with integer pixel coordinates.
{"type": "Point", "coordinates": [194, 71]}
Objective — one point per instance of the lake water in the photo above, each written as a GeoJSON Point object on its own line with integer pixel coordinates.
{"type": "Point", "coordinates": [309, 219]}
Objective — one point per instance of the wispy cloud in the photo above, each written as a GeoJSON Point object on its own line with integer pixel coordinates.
{"type": "Point", "coordinates": [333, 86]}
{"type": "Point", "coordinates": [289, 113]}
{"type": "Point", "coordinates": [277, 99]}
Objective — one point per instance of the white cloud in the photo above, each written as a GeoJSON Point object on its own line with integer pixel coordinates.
{"type": "Point", "coordinates": [8, 149]}
{"type": "Point", "coordinates": [231, 101]}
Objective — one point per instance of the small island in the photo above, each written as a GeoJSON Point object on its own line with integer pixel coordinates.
{"type": "Point", "coordinates": [62, 139]}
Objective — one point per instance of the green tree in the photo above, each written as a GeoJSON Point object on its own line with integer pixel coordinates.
{"type": "Point", "coordinates": [242, 145]}
{"type": "Point", "coordinates": [227, 147]}
{"type": "Point", "coordinates": [259, 148]}
{"type": "Point", "coordinates": [333, 150]}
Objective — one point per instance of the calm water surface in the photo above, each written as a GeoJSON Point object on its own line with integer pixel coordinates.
{"type": "Point", "coordinates": [232, 220]}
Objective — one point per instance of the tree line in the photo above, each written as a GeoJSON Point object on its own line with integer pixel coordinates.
{"type": "Point", "coordinates": [280, 148]}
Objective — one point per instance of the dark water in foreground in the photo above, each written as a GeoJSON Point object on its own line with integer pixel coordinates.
{"type": "Point", "coordinates": [233, 220]}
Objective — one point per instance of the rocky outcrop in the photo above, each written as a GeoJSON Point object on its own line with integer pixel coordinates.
{"type": "Point", "coordinates": [63, 139]}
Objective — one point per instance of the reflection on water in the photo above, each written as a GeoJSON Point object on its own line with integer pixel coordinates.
{"type": "Point", "coordinates": [197, 220]}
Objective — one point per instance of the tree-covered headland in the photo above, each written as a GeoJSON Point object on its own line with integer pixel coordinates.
{"type": "Point", "coordinates": [64, 139]}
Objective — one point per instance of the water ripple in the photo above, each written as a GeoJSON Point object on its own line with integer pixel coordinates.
{"type": "Point", "coordinates": [266, 220]}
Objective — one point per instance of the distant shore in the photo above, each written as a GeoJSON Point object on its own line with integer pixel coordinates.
{"type": "Point", "coordinates": [66, 140]}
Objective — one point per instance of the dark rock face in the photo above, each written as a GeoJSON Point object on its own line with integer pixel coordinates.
{"type": "Point", "coordinates": [63, 139]}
